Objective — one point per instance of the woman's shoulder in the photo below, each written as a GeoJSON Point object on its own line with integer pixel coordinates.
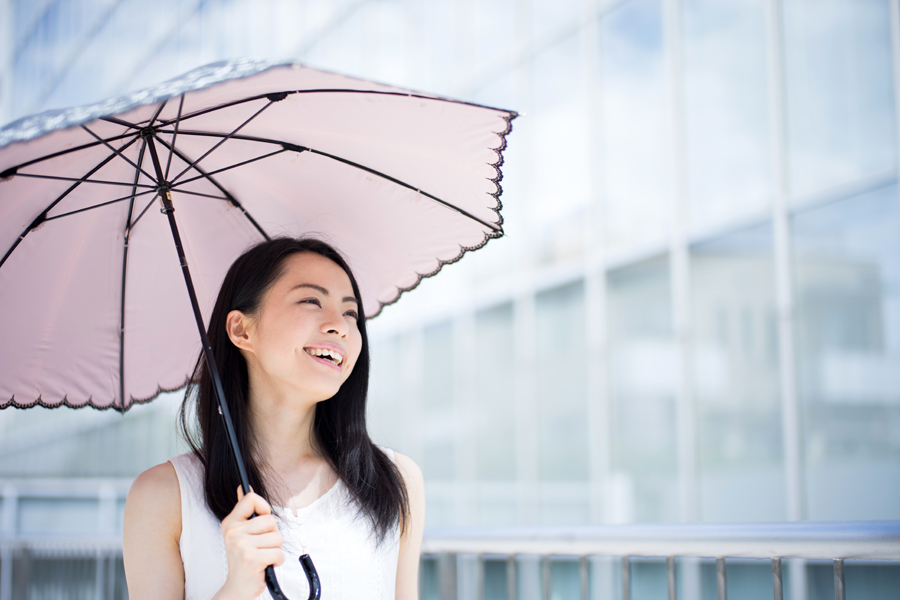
{"type": "Point", "coordinates": [412, 474]}
{"type": "Point", "coordinates": [156, 495]}
{"type": "Point", "coordinates": [151, 534]}
{"type": "Point", "coordinates": [152, 524]}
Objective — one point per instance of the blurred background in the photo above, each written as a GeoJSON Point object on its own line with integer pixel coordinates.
{"type": "Point", "coordinates": [694, 316]}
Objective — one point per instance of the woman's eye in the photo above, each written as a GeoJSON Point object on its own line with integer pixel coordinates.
{"type": "Point", "coordinates": [311, 301]}
{"type": "Point", "coordinates": [352, 313]}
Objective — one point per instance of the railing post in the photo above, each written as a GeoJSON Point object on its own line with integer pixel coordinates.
{"type": "Point", "coordinates": [99, 574]}
{"type": "Point", "coordinates": [839, 593]}
{"type": "Point", "coordinates": [721, 583]}
{"type": "Point", "coordinates": [479, 576]}
{"type": "Point", "coordinates": [583, 573]}
{"type": "Point", "coordinates": [447, 576]}
{"type": "Point", "coordinates": [511, 577]}
{"type": "Point", "coordinates": [670, 577]}
{"type": "Point", "coordinates": [545, 572]}
{"type": "Point", "coordinates": [777, 588]}
{"type": "Point", "coordinates": [9, 519]}
{"type": "Point", "coordinates": [626, 578]}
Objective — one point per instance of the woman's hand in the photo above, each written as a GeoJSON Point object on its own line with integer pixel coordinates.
{"type": "Point", "coordinates": [251, 545]}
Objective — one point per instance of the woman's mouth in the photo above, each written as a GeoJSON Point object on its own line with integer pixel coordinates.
{"type": "Point", "coordinates": [326, 355]}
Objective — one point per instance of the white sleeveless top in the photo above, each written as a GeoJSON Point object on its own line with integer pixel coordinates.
{"type": "Point", "coordinates": [340, 543]}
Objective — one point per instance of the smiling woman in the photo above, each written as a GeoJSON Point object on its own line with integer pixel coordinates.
{"type": "Point", "coordinates": [288, 334]}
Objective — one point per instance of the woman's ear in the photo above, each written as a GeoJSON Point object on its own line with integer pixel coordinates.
{"type": "Point", "coordinates": [238, 326]}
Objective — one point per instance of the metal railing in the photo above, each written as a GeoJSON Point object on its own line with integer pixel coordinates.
{"type": "Point", "coordinates": [834, 541]}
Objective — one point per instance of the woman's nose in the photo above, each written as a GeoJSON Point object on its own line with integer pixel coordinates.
{"type": "Point", "coordinates": [335, 323]}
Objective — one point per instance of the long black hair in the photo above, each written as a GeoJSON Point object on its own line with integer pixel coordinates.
{"type": "Point", "coordinates": [339, 425]}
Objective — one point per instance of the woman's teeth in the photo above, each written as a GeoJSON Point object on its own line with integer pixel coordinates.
{"type": "Point", "coordinates": [329, 355]}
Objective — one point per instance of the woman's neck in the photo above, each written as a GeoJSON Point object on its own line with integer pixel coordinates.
{"type": "Point", "coordinates": [284, 441]}
{"type": "Point", "coordinates": [282, 429]}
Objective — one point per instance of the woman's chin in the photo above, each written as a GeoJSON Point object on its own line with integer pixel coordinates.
{"type": "Point", "coordinates": [318, 391]}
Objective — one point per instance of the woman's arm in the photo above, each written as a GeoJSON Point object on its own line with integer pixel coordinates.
{"type": "Point", "coordinates": [153, 567]}
{"type": "Point", "coordinates": [411, 540]}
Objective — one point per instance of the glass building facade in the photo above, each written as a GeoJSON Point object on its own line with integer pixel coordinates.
{"type": "Point", "coordinates": [695, 314]}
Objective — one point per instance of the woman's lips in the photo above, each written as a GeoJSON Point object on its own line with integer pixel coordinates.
{"type": "Point", "coordinates": [327, 363]}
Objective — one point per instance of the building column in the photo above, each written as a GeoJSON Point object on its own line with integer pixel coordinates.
{"type": "Point", "coordinates": [526, 409]}
{"type": "Point", "coordinates": [895, 59]}
{"type": "Point", "coordinates": [599, 439]}
{"type": "Point", "coordinates": [465, 401]}
{"type": "Point", "coordinates": [791, 423]}
{"type": "Point", "coordinates": [790, 404]}
{"type": "Point", "coordinates": [679, 257]}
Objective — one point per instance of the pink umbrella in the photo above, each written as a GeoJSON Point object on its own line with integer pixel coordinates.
{"type": "Point", "coordinates": [401, 182]}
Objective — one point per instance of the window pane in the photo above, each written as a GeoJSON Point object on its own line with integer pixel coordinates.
{"type": "Point", "coordinates": [737, 378]}
{"type": "Point", "coordinates": [727, 127]}
{"type": "Point", "coordinates": [840, 99]}
{"type": "Point", "coordinates": [58, 516]}
{"type": "Point", "coordinates": [487, 32]}
{"type": "Point", "coordinates": [561, 173]}
{"type": "Point", "coordinates": [561, 397]}
{"type": "Point", "coordinates": [847, 273]}
{"type": "Point", "coordinates": [438, 404]}
{"type": "Point", "coordinates": [643, 376]}
{"type": "Point", "coordinates": [494, 391]}
{"type": "Point", "coordinates": [386, 419]}
{"type": "Point", "coordinates": [548, 16]}
{"type": "Point", "coordinates": [63, 442]}
{"type": "Point", "coordinates": [635, 125]}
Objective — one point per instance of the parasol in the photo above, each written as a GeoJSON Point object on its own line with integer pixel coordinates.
{"type": "Point", "coordinates": [92, 275]}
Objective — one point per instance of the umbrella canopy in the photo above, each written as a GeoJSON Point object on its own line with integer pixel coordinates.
{"type": "Point", "coordinates": [91, 291]}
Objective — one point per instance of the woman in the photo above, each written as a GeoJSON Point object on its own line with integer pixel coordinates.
{"type": "Point", "coordinates": [289, 337]}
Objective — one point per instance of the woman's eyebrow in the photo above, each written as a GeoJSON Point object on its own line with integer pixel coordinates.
{"type": "Point", "coordinates": [323, 291]}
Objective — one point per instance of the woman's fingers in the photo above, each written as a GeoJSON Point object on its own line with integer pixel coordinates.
{"type": "Point", "coordinates": [249, 530]}
{"type": "Point", "coordinates": [260, 524]}
{"type": "Point", "coordinates": [271, 556]}
{"type": "Point", "coordinates": [247, 505]}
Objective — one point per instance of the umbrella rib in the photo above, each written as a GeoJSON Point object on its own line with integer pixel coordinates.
{"type": "Point", "coordinates": [180, 191]}
{"type": "Point", "coordinates": [174, 137]}
{"type": "Point", "coordinates": [234, 166]}
{"type": "Point", "coordinates": [127, 237]}
{"type": "Point", "coordinates": [220, 142]}
{"type": "Point", "coordinates": [204, 111]}
{"type": "Point", "coordinates": [492, 226]}
{"type": "Point", "coordinates": [118, 121]}
{"type": "Point", "coordinates": [135, 222]}
{"type": "Point", "coordinates": [122, 156]}
{"type": "Point", "coordinates": [82, 179]}
{"type": "Point", "coordinates": [162, 105]}
{"type": "Point", "coordinates": [102, 204]}
{"type": "Point", "coordinates": [43, 215]}
{"type": "Point", "coordinates": [218, 185]}
{"type": "Point", "coordinates": [12, 170]}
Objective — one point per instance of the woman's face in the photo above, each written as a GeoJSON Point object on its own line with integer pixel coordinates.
{"type": "Point", "coordinates": [304, 338]}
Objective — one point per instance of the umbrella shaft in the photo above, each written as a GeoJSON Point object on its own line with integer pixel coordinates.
{"type": "Point", "coordinates": [166, 198]}
{"type": "Point", "coordinates": [169, 210]}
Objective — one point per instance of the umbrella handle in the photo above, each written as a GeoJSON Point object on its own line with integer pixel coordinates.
{"type": "Point", "coordinates": [315, 590]}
